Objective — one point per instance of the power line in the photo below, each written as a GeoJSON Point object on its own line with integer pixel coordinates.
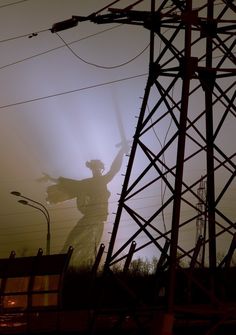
{"type": "Point", "coordinates": [48, 29]}
{"type": "Point", "coordinates": [52, 49]}
{"type": "Point", "coordinates": [23, 36]}
{"type": "Point", "coordinates": [72, 91]}
{"type": "Point", "coordinates": [102, 66]}
{"type": "Point", "coordinates": [13, 3]}
{"type": "Point", "coordinates": [29, 35]}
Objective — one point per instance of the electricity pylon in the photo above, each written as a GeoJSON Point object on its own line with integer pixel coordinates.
{"type": "Point", "coordinates": [186, 125]}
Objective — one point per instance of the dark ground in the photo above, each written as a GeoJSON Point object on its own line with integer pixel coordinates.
{"type": "Point", "coordinates": [126, 304]}
{"type": "Point", "coordinates": [133, 304]}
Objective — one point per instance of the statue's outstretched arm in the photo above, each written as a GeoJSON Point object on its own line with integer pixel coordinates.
{"type": "Point", "coordinates": [116, 164]}
{"type": "Point", "coordinates": [46, 177]}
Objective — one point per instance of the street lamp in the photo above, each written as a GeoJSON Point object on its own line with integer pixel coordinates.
{"type": "Point", "coordinates": [37, 205]}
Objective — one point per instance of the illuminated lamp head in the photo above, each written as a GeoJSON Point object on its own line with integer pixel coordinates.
{"type": "Point", "coordinates": [96, 166]}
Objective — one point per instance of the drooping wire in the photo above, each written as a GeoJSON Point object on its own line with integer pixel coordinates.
{"type": "Point", "coordinates": [102, 66]}
{"type": "Point", "coordinates": [53, 49]}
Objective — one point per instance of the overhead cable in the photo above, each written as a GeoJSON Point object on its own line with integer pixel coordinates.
{"type": "Point", "coordinates": [102, 66]}
{"type": "Point", "coordinates": [52, 49]}
{"type": "Point", "coordinates": [72, 91]}
{"type": "Point", "coordinates": [13, 3]}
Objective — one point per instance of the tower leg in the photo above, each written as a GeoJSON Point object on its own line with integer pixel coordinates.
{"type": "Point", "coordinates": [162, 324]}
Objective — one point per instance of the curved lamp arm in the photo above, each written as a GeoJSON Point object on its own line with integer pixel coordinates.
{"type": "Point", "coordinates": [18, 194]}
{"type": "Point", "coordinates": [37, 205]}
{"type": "Point", "coordinates": [25, 202]}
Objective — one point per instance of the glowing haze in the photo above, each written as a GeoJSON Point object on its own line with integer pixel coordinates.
{"type": "Point", "coordinates": [61, 105]}
{"type": "Point", "coordinates": [56, 114]}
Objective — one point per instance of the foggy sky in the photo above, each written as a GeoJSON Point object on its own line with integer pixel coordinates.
{"type": "Point", "coordinates": [45, 129]}
{"type": "Point", "coordinates": [59, 110]}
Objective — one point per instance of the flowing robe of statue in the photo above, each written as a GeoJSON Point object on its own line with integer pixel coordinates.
{"type": "Point", "coordinates": [92, 201]}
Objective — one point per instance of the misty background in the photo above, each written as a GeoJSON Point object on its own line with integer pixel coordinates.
{"type": "Point", "coordinates": [63, 99]}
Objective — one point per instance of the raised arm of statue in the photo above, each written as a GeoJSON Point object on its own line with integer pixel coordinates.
{"type": "Point", "coordinates": [116, 164]}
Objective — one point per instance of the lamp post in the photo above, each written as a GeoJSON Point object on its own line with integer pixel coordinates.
{"type": "Point", "coordinates": [37, 205]}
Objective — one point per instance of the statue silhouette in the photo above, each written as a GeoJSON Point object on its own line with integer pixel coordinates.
{"type": "Point", "coordinates": [92, 201]}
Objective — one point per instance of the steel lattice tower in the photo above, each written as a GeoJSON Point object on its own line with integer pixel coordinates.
{"type": "Point", "coordinates": [184, 136]}
{"type": "Point", "coordinates": [184, 132]}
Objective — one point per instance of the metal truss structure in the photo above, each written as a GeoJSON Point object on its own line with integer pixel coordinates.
{"type": "Point", "coordinates": [184, 134]}
{"type": "Point", "coordinates": [201, 221]}
{"type": "Point", "coordinates": [184, 137]}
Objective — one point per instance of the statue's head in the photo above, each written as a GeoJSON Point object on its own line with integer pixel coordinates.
{"type": "Point", "coordinates": [96, 166]}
